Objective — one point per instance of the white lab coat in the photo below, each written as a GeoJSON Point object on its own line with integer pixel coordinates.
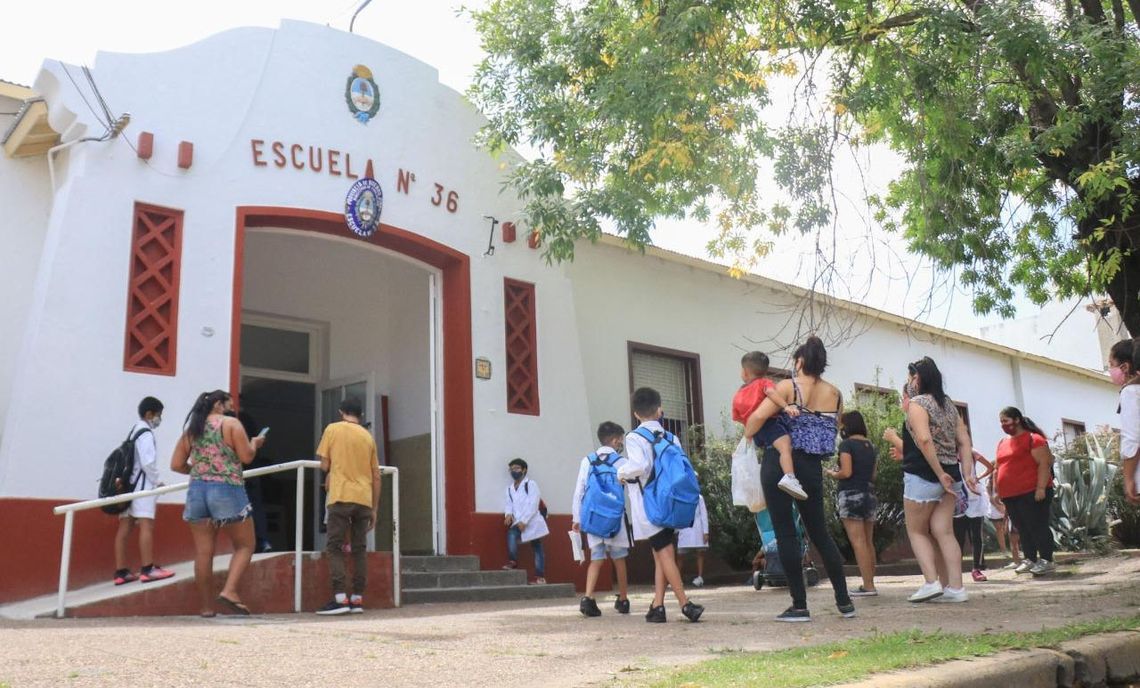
{"type": "Point", "coordinates": [638, 466]}
{"type": "Point", "coordinates": [1130, 424]}
{"type": "Point", "coordinates": [144, 475]}
{"type": "Point", "coordinates": [694, 537]}
{"type": "Point", "coordinates": [621, 538]}
{"type": "Point", "coordinates": [522, 503]}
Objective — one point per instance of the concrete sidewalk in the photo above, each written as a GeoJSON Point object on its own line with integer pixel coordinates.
{"type": "Point", "coordinates": [524, 644]}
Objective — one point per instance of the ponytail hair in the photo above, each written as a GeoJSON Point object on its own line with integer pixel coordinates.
{"type": "Point", "coordinates": [1013, 413]}
{"type": "Point", "coordinates": [196, 420]}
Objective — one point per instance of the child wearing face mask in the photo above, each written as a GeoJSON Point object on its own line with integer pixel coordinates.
{"type": "Point", "coordinates": [144, 476]}
{"type": "Point", "coordinates": [524, 520]}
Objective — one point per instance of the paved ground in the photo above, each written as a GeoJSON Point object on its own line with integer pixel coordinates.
{"type": "Point", "coordinates": [521, 644]}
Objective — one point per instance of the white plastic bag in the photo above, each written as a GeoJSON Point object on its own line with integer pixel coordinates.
{"type": "Point", "coordinates": [746, 488]}
{"type": "Point", "coordinates": [576, 546]}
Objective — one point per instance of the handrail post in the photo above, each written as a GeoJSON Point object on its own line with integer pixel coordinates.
{"type": "Point", "coordinates": [297, 543]}
{"type": "Point", "coordinates": [64, 564]}
{"type": "Point", "coordinates": [396, 537]}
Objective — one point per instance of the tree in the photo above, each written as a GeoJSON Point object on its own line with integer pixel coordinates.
{"type": "Point", "coordinates": [1018, 123]}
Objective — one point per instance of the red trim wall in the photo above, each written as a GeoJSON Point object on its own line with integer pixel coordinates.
{"type": "Point", "coordinates": [455, 339]}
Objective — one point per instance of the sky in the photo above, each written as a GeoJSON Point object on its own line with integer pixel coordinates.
{"type": "Point", "coordinates": [437, 32]}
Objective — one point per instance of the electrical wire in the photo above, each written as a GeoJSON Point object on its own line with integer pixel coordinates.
{"type": "Point", "coordinates": [81, 95]}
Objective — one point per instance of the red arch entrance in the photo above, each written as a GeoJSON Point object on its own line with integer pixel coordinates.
{"type": "Point", "coordinates": [455, 340]}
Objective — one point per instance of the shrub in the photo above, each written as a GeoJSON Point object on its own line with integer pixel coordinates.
{"type": "Point", "coordinates": [732, 529]}
{"type": "Point", "coordinates": [1082, 476]}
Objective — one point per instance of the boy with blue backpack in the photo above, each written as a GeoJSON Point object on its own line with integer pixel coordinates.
{"type": "Point", "coordinates": [598, 508]}
{"type": "Point", "coordinates": [663, 497]}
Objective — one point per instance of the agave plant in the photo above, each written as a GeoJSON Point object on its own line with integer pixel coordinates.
{"type": "Point", "coordinates": [1080, 508]}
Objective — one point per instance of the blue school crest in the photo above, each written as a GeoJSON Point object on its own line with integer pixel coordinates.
{"type": "Point", "coordinates": [362, 94]}
{"type": "Point", "coordinates": [362, 207]}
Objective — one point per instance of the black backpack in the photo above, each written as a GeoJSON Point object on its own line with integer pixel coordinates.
{"type": "Point", "coordinates": [117, 470]}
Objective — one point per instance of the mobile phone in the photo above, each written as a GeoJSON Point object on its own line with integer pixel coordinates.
{"type": "Point", "coordinates": [264, 432]}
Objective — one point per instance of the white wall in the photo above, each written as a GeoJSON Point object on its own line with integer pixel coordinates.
{"type": "Point", "coordinates": [24, 205]}
{"type": "Point", "coordinates": [1062, 330]}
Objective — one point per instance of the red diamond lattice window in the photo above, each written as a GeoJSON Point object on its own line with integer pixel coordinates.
{"type": "Point", "coordinates": [522, 351]}
{"type": "Point", "coordinates": [152, 299]}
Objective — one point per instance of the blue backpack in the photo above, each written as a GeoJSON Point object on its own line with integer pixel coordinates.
{"type": "Point", "coordinates": [604, 503]}
{"type": "Point", "coordinates": [671, 493]}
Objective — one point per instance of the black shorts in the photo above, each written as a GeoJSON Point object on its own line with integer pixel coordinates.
{"type": "Point", "coordinates": [662, 539]}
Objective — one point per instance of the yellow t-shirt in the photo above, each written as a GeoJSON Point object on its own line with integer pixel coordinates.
{"type": "Point", "coordinates": [351, 452]}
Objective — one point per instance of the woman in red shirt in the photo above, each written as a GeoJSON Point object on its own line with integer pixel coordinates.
{"type": "Point", "coordinates": [1024, 483]}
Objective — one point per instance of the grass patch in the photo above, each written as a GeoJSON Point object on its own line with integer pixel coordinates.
{"type": "Point", "coordinates": [856, 659]}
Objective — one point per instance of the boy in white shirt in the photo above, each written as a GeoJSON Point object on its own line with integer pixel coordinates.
{"type": "Point", "coordinates": [615, 547]}
{"type": "Point", "coordinates": [144, 476]}
{"type": "Point", "coordinates": [523, 521]}
{"type": "Point", "coordinates": [638, 468]}
{"type": "Point", "coordinates": [695, 539]}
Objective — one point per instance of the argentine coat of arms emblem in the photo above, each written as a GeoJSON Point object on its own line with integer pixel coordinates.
{"type": "Point", "coordinates": [362, 94]}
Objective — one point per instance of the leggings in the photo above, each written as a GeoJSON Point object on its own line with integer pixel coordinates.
{"type": "Point", "coordinates": [966, 525]}
{"type": "Point", "coordinates": [809, 471]}
{"type": "Point", "coordinates": [1032, 520]}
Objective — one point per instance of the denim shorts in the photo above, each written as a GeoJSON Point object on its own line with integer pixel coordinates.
{"type": "Point", "coordinates": [773, 429]}
{"type": "Point", "coordinates": [857, 505]}
{"type": "Point", "coordinates": [918, 490]}
{"type": "Point", "coordinates": [219, 503]}
{"type": "Point", "coordinates": [602, 550]}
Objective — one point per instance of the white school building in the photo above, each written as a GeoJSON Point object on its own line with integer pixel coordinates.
{"type": "Point", "coordinates": [207, 246]}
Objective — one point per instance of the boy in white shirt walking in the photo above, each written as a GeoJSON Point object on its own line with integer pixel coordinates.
{"type": "Point", "coordinates": [523, 520]}
{"type": "Point", "coordinates": [616, 546]}
{"type": "Point", "coordinates": [635, 472]}
{"type": "Point", "coordinates": [141, 513]}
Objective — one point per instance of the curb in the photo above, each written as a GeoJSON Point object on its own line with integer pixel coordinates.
{"type": "Point", "coordinates": [1112, 659]}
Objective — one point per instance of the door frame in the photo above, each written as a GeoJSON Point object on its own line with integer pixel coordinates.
{"type": "Point", "coordinates": [456, 381]}
{"type": "Point", "coordinates": [370, 402]}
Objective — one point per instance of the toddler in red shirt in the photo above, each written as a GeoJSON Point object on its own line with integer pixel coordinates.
{"type": "Point", "coordinates": [775, 432]}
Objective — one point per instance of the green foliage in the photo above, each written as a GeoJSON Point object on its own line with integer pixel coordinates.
{"type": "Point", "coordinates": [732, 529]}
{"type": "Point", "coordinates": [1082, 476]}
{"type": "Point", "coordinates": [880, 411]}
{"type": "Point", "coordinates": [1016, 122]}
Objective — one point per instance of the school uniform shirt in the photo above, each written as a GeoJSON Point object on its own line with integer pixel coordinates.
{"type": "Point", "coordinates": [621, 538]}
{"type": "Point", "coordinates": [144, 475]}
{"type": "Point", "coordinates": [694, 537]}
{"type": "Point", "coordinates": [522, 504]}
{"type": "Point", "coordinates": [979, 504]}
{"type": "Point", "coordinates": [638, 466]}
{"type": "Point", "coordinates": [1130, 424]}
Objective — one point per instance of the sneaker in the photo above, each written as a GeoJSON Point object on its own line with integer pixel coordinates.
{"type": "Point", "coordinates": [124, 577]}
{"type": "Point", "coordinates": [621, 606]}
{"type": "Point", "coordinates": [793, 615]}
{"type": "Point", "coordinates": [589, 607]}
{"type": "Point", "coordinates": [792, 486]}
{"type": "Point", "coordinates": [510, 566]}
{"type": "Point", "coordinates": [1024, 566]}
{"type": "Point", "coordinates": [1011, 565]}
{"type": "Point", "coordinates": [952, 595]}
{"type": "Point", "coordinates": [155, 573]}
{"type": "Point", "coordinates": [692, 611]}
{"type": "Point", "coordinates": [978, 576]}
{"type": "Point", "coordinates": [698, 582]}
{"type": "Point", "coordinates": [927, 592]}
{"type": "Point", "coordinates": [656, 614]}
{"type": "Point", "coordinates": [1043, 567]}
{"type": "Point", "coordinates": [334, 608]}
{"type": "Point", "coordinates": [356, 605]}
{"type": "Point", "coordinates": [864, 592]}
{"type": "Point", "coordinates": [847, 611]}
{"type": "Point", "coordinates": [539, 580]}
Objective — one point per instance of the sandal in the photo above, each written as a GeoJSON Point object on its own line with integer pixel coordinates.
{"type": "Point", "coordinates": [234, 607]}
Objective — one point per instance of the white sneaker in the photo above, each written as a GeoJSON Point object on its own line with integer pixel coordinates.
{"type": "Point", "coordinates": [952, 595]}
{"type": "Point", "coordinates": [1043, 567]}
{"type": "Point", "coordinates": [1024, 566]}
{"type": "Point", "coordinates": [927, 592]}
{"type": "Point", "coordinates": [792, 486]}
{"type": "Point", "coordinates": [698, 582]}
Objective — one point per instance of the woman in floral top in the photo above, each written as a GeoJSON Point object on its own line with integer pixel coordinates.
{"type": "Point", "coordinates": [212, 450]}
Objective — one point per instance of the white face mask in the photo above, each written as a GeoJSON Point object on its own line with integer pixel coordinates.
{"type": "Point", "coordinates": [155, 422]}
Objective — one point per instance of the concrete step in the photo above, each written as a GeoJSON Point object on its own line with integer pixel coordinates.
{"type": "Point", "coordinates": [460, 579]}
{"type": "Point", "coordinates": [489, 593]}
{"type": "Point", "coordinates": [435, 564]}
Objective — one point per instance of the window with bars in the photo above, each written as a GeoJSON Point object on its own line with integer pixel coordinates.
{"type": "Point", "coordinates": [676, 375]}
{"type": "Point", "coordinates": [152, 297]}
{"type": "Point", "coordinates": [522, 348]}
{"type": "Point", "coordinates": [1072, 430]}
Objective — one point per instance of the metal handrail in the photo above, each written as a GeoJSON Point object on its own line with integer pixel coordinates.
{"type": "Point", "coordinates": [68, 511]}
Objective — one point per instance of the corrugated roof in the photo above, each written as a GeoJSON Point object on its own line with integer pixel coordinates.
{"type": "Point", "coordinates": [13, 83]}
